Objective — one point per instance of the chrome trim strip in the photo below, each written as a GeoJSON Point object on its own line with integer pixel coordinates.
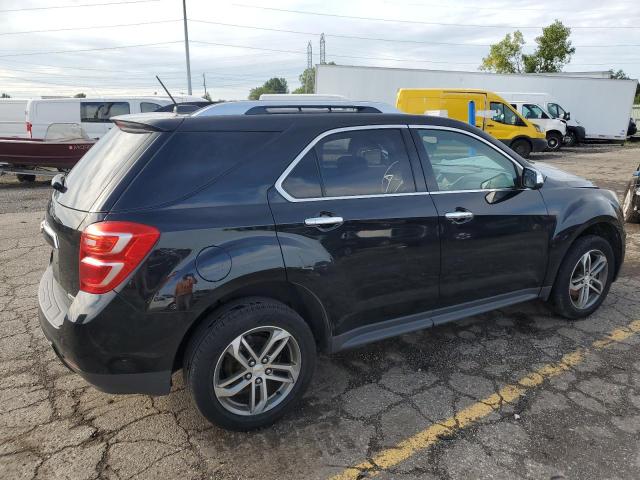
{"type": "Point", "coordinates": [313, 143]}
{"type": "Point", "coordinates": [46, 228]}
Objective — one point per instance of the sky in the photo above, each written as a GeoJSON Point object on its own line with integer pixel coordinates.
{"type": "Point", "coordinates": [102, 47]}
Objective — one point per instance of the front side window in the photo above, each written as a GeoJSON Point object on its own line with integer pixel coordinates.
{"type": "Point", "coordinates": [355, 162]}
{"type": "Point", "coordinates": [101, 112]}
{"type": "Point", "coordinates": [462, 162]}
{"type": "Point", "coordinates": [503, 114]}
{"type": "Point", "coordinates": [533, 111]}
{"type": "Point", "coordinates": [555, 110]}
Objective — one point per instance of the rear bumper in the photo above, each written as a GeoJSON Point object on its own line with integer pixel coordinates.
{"type": "Point", "coordinates": [91, 344]}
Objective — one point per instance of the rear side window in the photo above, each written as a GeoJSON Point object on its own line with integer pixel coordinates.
{"type": "Point", "coordinates": [189, 161]}
{"type": "Point", "coordinates": [101, 112]}
{"type": "Point", "coordinates": [357, 162]}
{"type": "Point", "coordinates": [304, 179]}
{"type": "Point", "coordinates": [148, 107]}
{"type": "Point", "coordinates": [105, 161]}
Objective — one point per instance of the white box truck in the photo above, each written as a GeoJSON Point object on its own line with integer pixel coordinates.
{"type": "Point", "coordinates": [12, 118]}
{"type": "Point", "coordinates": [602, 106]}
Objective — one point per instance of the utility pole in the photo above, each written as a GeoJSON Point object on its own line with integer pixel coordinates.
{"type": "Point", "coordinates": [204, 83]}
{"type": "Point", "coordinates": [309, 59]}
{"type": "Point", "coordinates": [186, 45]}
{"type": "Point", "coordinates": [323, 53]}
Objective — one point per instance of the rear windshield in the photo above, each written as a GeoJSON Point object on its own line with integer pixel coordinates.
{"type": "Point", "coordinates": [104, 163]}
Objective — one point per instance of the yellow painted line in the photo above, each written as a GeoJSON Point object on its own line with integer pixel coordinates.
{"type": "Point", "coordinates": [432, 434]}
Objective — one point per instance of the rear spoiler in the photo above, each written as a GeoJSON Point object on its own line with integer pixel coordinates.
{"type": "Point", "coordinates": [149, 122]}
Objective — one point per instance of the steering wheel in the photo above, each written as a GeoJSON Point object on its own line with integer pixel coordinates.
{"type": "Point", "coordinates": [391, 182]}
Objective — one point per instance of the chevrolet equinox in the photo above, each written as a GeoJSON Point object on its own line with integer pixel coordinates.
{"type": "Point", "coordinates": [236, 246]}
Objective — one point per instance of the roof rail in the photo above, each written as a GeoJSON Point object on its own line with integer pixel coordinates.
{"type": "Point", "coordinates": [266, 107]}
{"type": "Point", "coordinates": [281, 109]}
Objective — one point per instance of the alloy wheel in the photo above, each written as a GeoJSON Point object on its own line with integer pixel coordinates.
{"type": "Point", "coordinates": [257, 370]}
{"type": "Point", "coordinates": [588, 279]}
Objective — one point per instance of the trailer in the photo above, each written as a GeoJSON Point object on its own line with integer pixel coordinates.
{"type": "Point", "coordinates": [601, 105]}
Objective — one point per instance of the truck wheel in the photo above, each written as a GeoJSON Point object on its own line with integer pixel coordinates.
{"type": "Point", "coordinates": [249, 363]}
{"type": "Point", "coordinates": [629, 209]}
{"type": "Point", "coordinates": [26, 178]}
{"type": "Point", "coordinates": [584, 277]}
{"type": "Point", "coordinates": [522, 148]}
{"type": "Point", "coordinates": [570, 138]}
{"type": "Point", "coordinates": [554, 141]}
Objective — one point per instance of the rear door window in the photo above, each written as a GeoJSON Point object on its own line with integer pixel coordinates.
{"type": "Point", "coordinates": [304, 179]}
{"type": "Point", "coordinates": [148, 107]}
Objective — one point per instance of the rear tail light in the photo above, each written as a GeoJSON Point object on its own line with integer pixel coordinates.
{"type": "Point", "coordinates": [30, 129]}
{"type": "Point", "coordinates": [110, 251]}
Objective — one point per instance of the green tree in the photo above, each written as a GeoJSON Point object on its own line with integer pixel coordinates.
{"type": "Point", "coordinates": [506, 55]}
{"type": "Point", "coordinates": [207, 96]}
{"type": "Point", "coordinates": [5, 95]}
{"type": "Point", "coordinates": [554, 50]}
{"type": "Point", "coordinates": [552, 53]}
{"type": "Point", "coordinates": [307, 81]}
{"type": "Point", "coordinates": [80, 95]}
{"type": "Point", "coordinates": [273, 85]}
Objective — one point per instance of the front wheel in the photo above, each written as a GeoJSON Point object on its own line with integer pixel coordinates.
{"type": "Point", "coordinates": [554, 141]}
{"type": "Point", "coordinates": [522, 148]}
{"type": "Point", "coordinates": [629, 207]}
{"type": "Point", "coordinates": [248, 365]}
{"type": "Point", "coordinates": [570, 138]}
{"type": "Point", "coordinates": [584, 278]}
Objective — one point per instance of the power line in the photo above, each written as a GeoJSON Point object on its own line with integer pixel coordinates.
{"type": "Point", "coordinates": [89, 49]}
{"type": "Point", "coordinates": [415, 22]}
{"type": "Point", "coordinates": [378, 39]}
{"type": "Point", "coordinates": [99, 27]}
{"type": "Point", "coordinates": [57, 7]}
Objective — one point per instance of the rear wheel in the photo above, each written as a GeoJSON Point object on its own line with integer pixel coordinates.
{"type": "Point", "coordinates": [24, 178]}
{"type": "Point", "coordinates": [584, 278]}
{"type": "Point", "coordinates": [249, 364]}
{"type": "Point", "coordinates": [629, 209]}
{"type": "Point", "coordinates": [554, 141]}
{"type": "Point", "coordinates": [522, 148]}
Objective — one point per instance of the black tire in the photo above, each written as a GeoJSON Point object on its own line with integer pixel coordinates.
{"type": "Point", "coordinates": [23, 178]}
{"type": "Point", "coordinates": [629, 207]}
{"type": "Point", "coordinates": [210, 341]}
{"type": "Point", "coordinates": [560, 298]}
{"type": "Point", "coordinates": [522, 148]}
{"type": "Point", "coordinates": [570, 138]}
{"type": "Point", "coordinates": [554, 141]}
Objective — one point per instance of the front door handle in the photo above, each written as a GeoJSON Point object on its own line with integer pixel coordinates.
{"type": "Point", "coordinates": [459, 216]}
{"type": "Point", "coordinates": [323, 221]}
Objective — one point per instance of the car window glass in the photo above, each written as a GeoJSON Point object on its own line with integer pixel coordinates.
{"type": "Point", "coordinates": [148, 107]}
{"type": "Point", "coordinates": [553, 110]}
{"type": "Point", "coordinates": [364, 162]}
{"type": "Point", "coordinates": [100, 112]}
{"type": "Point", "coordinates": [503, 114]}
{"type": "Point", "coordinates": [533, 111]}
{"type": "Point", "coordinates": [462, 162]}
{"type": "Point", "coordinates": [304, 179]}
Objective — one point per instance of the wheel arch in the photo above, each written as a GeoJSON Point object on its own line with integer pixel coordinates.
{"type": "Point", "coordinates": [300, 299]}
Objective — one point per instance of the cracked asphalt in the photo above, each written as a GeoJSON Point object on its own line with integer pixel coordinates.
{"type": "Point", "coordinates": [581, 423]}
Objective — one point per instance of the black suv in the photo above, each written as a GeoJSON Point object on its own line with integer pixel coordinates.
{"type": "Point", "coordinates": [236, 247]}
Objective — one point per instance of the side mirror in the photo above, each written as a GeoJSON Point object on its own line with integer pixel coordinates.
{"type": "Point", "coordinates": [567, 115]}
{"type": "Point", "coordinates": [532, 178]}
{"type": "Point", "coordinates": [57, 183]}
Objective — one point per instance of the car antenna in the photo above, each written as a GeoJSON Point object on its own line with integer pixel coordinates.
{"type": "Point", "coordinates": [165, 89]}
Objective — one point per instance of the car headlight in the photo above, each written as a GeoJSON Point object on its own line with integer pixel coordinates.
{"type": "Point", "coordinates": [538, 129]}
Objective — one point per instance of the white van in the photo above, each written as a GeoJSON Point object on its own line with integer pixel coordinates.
{"type": "Point", "coordinates": [554, 128]}
{"type": "Point", "coordinates": [12, 118]}
{"type": "Point", "coordinates": [92, 114]}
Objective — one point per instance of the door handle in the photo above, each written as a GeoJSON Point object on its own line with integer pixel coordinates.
{"type": "Point", "coordinates": [459, 216]}
{"type": "Point", "coordinates": [323, 221]}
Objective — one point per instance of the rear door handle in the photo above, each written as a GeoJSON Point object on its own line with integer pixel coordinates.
{"type": "Point", "coordinates": [323, 221]}
{"type": "Point", "coordinates": [459, 216]}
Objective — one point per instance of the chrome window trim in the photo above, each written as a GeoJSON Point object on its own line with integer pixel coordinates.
{"type": "Point", "coordinates": [300, 156]}
{"type": "Point", "coordinates": [313, 143]}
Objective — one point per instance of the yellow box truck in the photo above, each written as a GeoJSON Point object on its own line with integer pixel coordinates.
{"type": "Point", "coordinates": [484, 109]}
